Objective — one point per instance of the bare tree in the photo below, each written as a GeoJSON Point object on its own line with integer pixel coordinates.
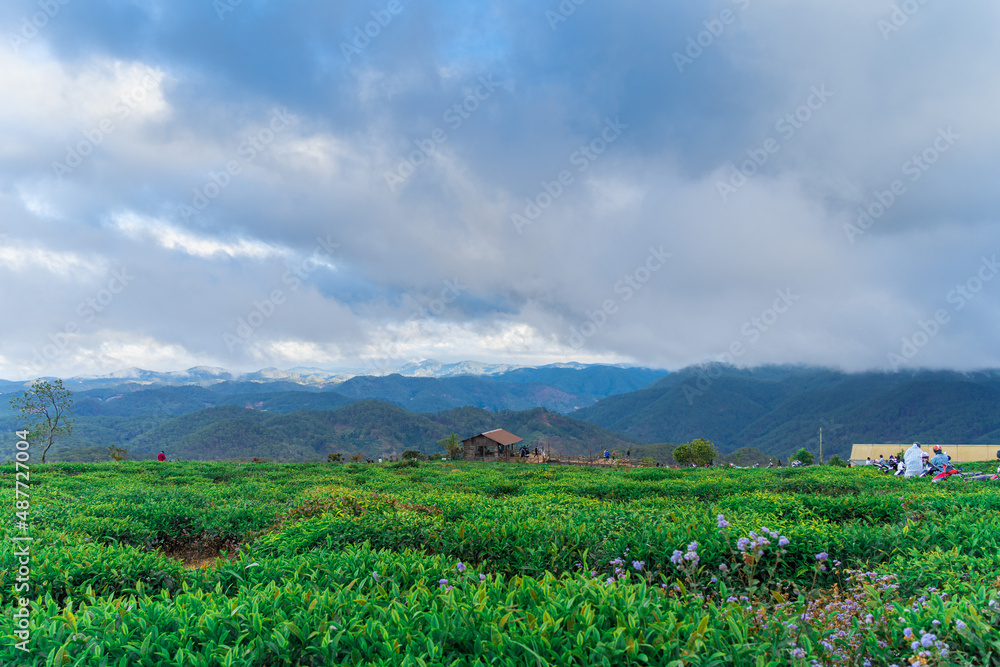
{"type": "Point", "coordinates": [45, 407]}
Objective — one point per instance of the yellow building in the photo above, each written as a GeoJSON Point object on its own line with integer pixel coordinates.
{"type": "Point", "coordinates": [958, 453]}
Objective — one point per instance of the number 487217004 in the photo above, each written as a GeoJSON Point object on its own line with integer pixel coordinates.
{"type": "Point", "coordinates": [23, 472]}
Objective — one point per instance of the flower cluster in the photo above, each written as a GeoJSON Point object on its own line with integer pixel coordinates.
{"type": "Point", "coordinates": [754, 544]}
{"type": "Point", "coordinates": [691, 556]}
{"type": "Point", "coordinates": [840, 613]}
{"type": "Point", "coordinates": [926, 648]}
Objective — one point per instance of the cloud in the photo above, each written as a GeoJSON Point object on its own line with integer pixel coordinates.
{"type": "Point", "coordinates": [137, 227]}
{"type": "Point", "coordinates": [734, 164]}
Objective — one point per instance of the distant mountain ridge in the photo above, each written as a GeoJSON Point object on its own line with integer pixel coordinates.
{"type": "Point", "coordinates": [130, 407]}
{"type": "Point", "coordinates": [306, 376]}
{"type": "Point", "coordinates": [779, 409]}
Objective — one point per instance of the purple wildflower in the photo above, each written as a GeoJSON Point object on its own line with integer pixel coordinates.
{"type": "Point", "coordinates": [822, 555]}
{"type": "Point", "coordinates": [960, 625]}
{"type": "Point", "coordinates": [442, 582]}
{"type": "Point", "coordinates": [783, 541]}
{"type": "Point", "coordinates": [693, 546]}
{"type": "Point", "coordinates": [677, 557]}
{"type": "Point", "coordinates": [722, 521]}
{"type": "Point", "coordinates": [482, 578]}
{"type": "Point", "coordinates": [460, 567]}
{"type": "Point", "coordinates": [637, 564]}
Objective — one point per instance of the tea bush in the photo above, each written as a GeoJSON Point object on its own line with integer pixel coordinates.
{"type": "Point", "coordinates": [463, 563]}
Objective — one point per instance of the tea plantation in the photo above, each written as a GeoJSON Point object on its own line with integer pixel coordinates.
{"type": "Point", "coordinates": [479, 564]}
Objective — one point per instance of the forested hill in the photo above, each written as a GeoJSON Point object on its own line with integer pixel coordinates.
{"type": "Point", "coordinates": [778, 409]}
{"type": "Point", "coordinates": [371, 428]}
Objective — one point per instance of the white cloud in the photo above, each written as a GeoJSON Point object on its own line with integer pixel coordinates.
{"type": "Point", "coordinates": [24, 257]}
{"type": "Point", "coordinates": [138, 227]}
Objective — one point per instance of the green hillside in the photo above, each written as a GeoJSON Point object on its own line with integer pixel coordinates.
{"type": "Point", "coordinates": [779, 409]}
{"type": "Point", "coordinates": [371, 428]}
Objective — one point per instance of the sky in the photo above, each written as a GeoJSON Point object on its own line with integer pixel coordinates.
{"type": "Point", "coordinates": [249, 183]}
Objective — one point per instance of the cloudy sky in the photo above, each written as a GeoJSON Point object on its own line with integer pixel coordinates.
{"type": "Point", "coordinates": [254, 183]}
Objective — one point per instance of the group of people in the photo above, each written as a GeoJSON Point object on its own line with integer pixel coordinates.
{"type": "Point", "coordinates": [915, 462]}
{"type": "Point", "coordinates": [526, 452]}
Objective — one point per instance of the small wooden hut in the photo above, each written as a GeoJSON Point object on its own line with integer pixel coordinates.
{"type": "Point", "coordinates": [495, 445]}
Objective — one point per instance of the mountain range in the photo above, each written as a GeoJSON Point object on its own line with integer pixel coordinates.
{"type": "Point", "coordinates": [778, 409]}
{"type": "Point", "coordinates": [210, 413]}
{"type": "Point", "coordinates": [575, 408]}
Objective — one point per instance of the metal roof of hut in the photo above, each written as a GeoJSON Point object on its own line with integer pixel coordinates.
{"type": "Point", "coordinates": [498, 435]}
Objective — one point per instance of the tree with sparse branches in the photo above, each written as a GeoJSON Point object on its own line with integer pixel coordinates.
{"type": "Point", "coordinates": [117, 454]}
{"type": "Point", "coordinates": [452, 445]}
{"type": "Point", "coordinates": [45, 407]}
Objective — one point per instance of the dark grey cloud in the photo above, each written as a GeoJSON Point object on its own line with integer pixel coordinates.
{"type": "Point", "coordinates": [486, 181]}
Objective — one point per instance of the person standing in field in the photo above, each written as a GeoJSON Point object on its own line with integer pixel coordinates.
{"type": "Point", "coordinates": [161, 457]}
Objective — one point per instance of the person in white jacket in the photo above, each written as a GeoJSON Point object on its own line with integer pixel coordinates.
{"type": "Point", "coordinates": [914, 460]}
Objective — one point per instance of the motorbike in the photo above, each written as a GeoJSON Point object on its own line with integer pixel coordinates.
{"type": "Point", "coordinates": [985, 477]}
{"type": "Point", "coordinates": [888, 467]}
{"type": "Point", "coordinates": [948, 471]}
